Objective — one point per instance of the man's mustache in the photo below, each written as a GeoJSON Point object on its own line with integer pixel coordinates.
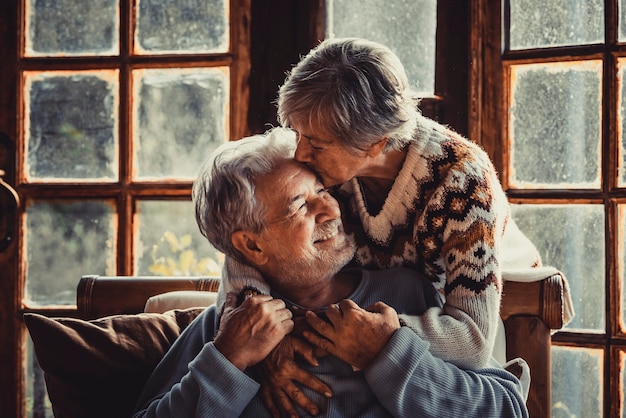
{"type": "Point", "coordinates": [327, 228]}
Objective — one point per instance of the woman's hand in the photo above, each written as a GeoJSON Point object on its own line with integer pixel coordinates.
{"type": "Point", "coordinates": [353, 334]}
{"type": "Point", "coordinates": [279, 372]}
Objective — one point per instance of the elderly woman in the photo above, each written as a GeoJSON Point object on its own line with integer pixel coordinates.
{"type": "Point", "coordinates": [412, 192]}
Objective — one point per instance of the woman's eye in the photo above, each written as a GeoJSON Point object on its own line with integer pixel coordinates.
{"type": "Point", "coordinates": [315, 145]}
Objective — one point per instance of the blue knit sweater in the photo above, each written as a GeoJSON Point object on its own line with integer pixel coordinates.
{"type": "Point", "coordinates": [195, 380]}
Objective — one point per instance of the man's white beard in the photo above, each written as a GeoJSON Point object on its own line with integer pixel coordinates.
{"type": "Point", "coordinates": [308, 269]}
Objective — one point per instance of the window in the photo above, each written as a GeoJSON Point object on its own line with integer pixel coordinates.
{"type": "Point", "coordinates": [392, 23]}
{"type": "Point", "coordinates": [419, 33]}
{"type": "Point", "coordinates": [550, 114]}
{"type": "Point", "coordinates": [116, 104]}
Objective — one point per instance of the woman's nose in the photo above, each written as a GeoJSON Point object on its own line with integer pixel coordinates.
{"type": "Point", "coordinates": [303, 151]}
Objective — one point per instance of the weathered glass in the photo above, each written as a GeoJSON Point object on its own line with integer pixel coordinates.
{"type": "Point", "coordinates": [407, 27]}
{"type": "Point", "coordinates": [577, 382]}
{"type": "Point", "coordinates": [571, 238]}
{"type": "Point", "coordinates": [540, 23]}
{"type": "Point", "coordinates": [181, 27]}
{"type": "Point", "coordinates": [622, 382]}
{"type": "Point", "coordinates": [180, 116]}
{"type": "Point", "coordinates": [71, 126]}
{"type": "Point", "coordinates": [168, 242]}
{"type": "Point", "coordinates": [621, 269]}
{"type": "Point", "coordinates": [622, 21]}
{"type": "Point", "coordinates": [37, 402]}
{"type": "Point", "coordinates": [555, 125]}
{"type": "Point", "coordinates": [72, 27]}
{"type": "Point", "coordinates": [65, 240]}
{"type": "Point", "coordinates": [621, 120]}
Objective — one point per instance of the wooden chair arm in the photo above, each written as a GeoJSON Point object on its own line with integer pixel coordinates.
{"type": "Point", "coordinates": [543, 299]}
{"type": "Point", "coordinates": [530, 310]}
{"type": "Point", "coordinates": [99, 296]}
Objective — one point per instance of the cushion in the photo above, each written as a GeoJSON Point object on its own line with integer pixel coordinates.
{"type": "Point", "coordinates": [180, 299]}
{"type": "Point", "coordinates": [98, 368]}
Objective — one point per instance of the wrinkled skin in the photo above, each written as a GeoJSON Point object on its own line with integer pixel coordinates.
{"type": "Point", "coordinates": [279, 372]}
{"type": "Point", "coordinates": [248, 333]}
{"type": "Point", "coordinates": [353, 334]}
{"type": "Point", "coordinates": [349, 332]}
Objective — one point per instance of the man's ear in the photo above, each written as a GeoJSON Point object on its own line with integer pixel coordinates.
{"type": "Point", "coordinates": [377, 148]}
{"type": "Point", "coordinates": [248, 244]}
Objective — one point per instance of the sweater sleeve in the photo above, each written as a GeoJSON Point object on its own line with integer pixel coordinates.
{"type": "Point", "coordinates": [237, 276]}
{"type": "Point", "coordinates": [460, 234]}
{"type": "Point", "coordinates": [409, 381]}
{"type": "Point", "coordinates": [195, 379]}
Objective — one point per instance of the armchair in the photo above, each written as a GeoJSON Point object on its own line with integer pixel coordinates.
{"type": "Point", "coordinates": [112, 327]}
{"type": "Point", "coordinates": [530, 312]}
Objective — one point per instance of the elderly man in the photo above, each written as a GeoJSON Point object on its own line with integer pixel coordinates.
{"type": "Point", "coordinates": [256, 204]}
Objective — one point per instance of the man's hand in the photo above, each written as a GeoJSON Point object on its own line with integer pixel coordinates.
{"type": "Point", "coordinates": [249, 332]}
{"type": "Point", "coordinates": [354, 335]}
{"type": "Point", "coordinates": [278, 373]}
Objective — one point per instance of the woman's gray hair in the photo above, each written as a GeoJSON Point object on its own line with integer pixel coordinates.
{"type": "Point", "coordinates": [223, 193]}
{"type": "Point", "coordinates": [357, 90]}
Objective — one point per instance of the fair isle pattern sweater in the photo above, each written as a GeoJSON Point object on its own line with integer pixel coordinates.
{"type": "Point", "coordinates": [445, 216]}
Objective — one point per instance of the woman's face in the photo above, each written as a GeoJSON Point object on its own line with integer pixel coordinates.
{"type": "Point", "coordinates": [323, 153]}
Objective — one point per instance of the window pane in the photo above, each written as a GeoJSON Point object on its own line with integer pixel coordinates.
{"type": "Point", "coordinates": [556, 23]}
{"type": "Point", "coordinates": [407, 27]}
{"type": "Point", "coordinates": [190, 26]}
{"type": "Point", "coordinates": [555, 125]}
{"type": "Point", "coordinates": [180, 116]}
{"type": "Point", "coordinates": [169, 243]}
{"type": "Point", "coordinates": [577, 382]}
{"type": "Point", "coordinates": [622, 21]}
{"type": "Point", "coordinates": [71, 126]}
{"type": "Point", "coordinates": [622, 383]}
{"type": "Point", "coordinates": [65, 240]}
{"type": "Point", "coordinates": [72, 27]}
{"type": "Point", "coordinates": [621, 123]}
{"type": "Point", "coordinates": [571, 238]}
{"type": "Point", "coordinates": [37, 403]}
{"type": "Point", "coordinates": [621, 230]}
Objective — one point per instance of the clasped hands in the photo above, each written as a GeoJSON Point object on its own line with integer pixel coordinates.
{"type": "Point", "coordinates": [261, 330]}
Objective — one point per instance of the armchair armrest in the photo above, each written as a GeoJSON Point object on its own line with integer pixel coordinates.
{"type": "Point", "coordinates": [530, 311]}
{"type": "Point", "coordinates": [99, 296]}
{"type": "Point", "coordinates": [543, 299]}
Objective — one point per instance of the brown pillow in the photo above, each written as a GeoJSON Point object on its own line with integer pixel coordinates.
{"type": "Point", "coordinates": [98, 368]}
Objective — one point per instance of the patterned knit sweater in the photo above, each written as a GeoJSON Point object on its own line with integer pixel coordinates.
{"type": "Point", "coordinates": [445, 216]}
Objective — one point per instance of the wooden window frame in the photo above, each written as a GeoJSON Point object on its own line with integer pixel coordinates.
{"type": "Point", "coordinates": [125, 191]}
{"type": "Point", "coordinates": [488, 104]}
